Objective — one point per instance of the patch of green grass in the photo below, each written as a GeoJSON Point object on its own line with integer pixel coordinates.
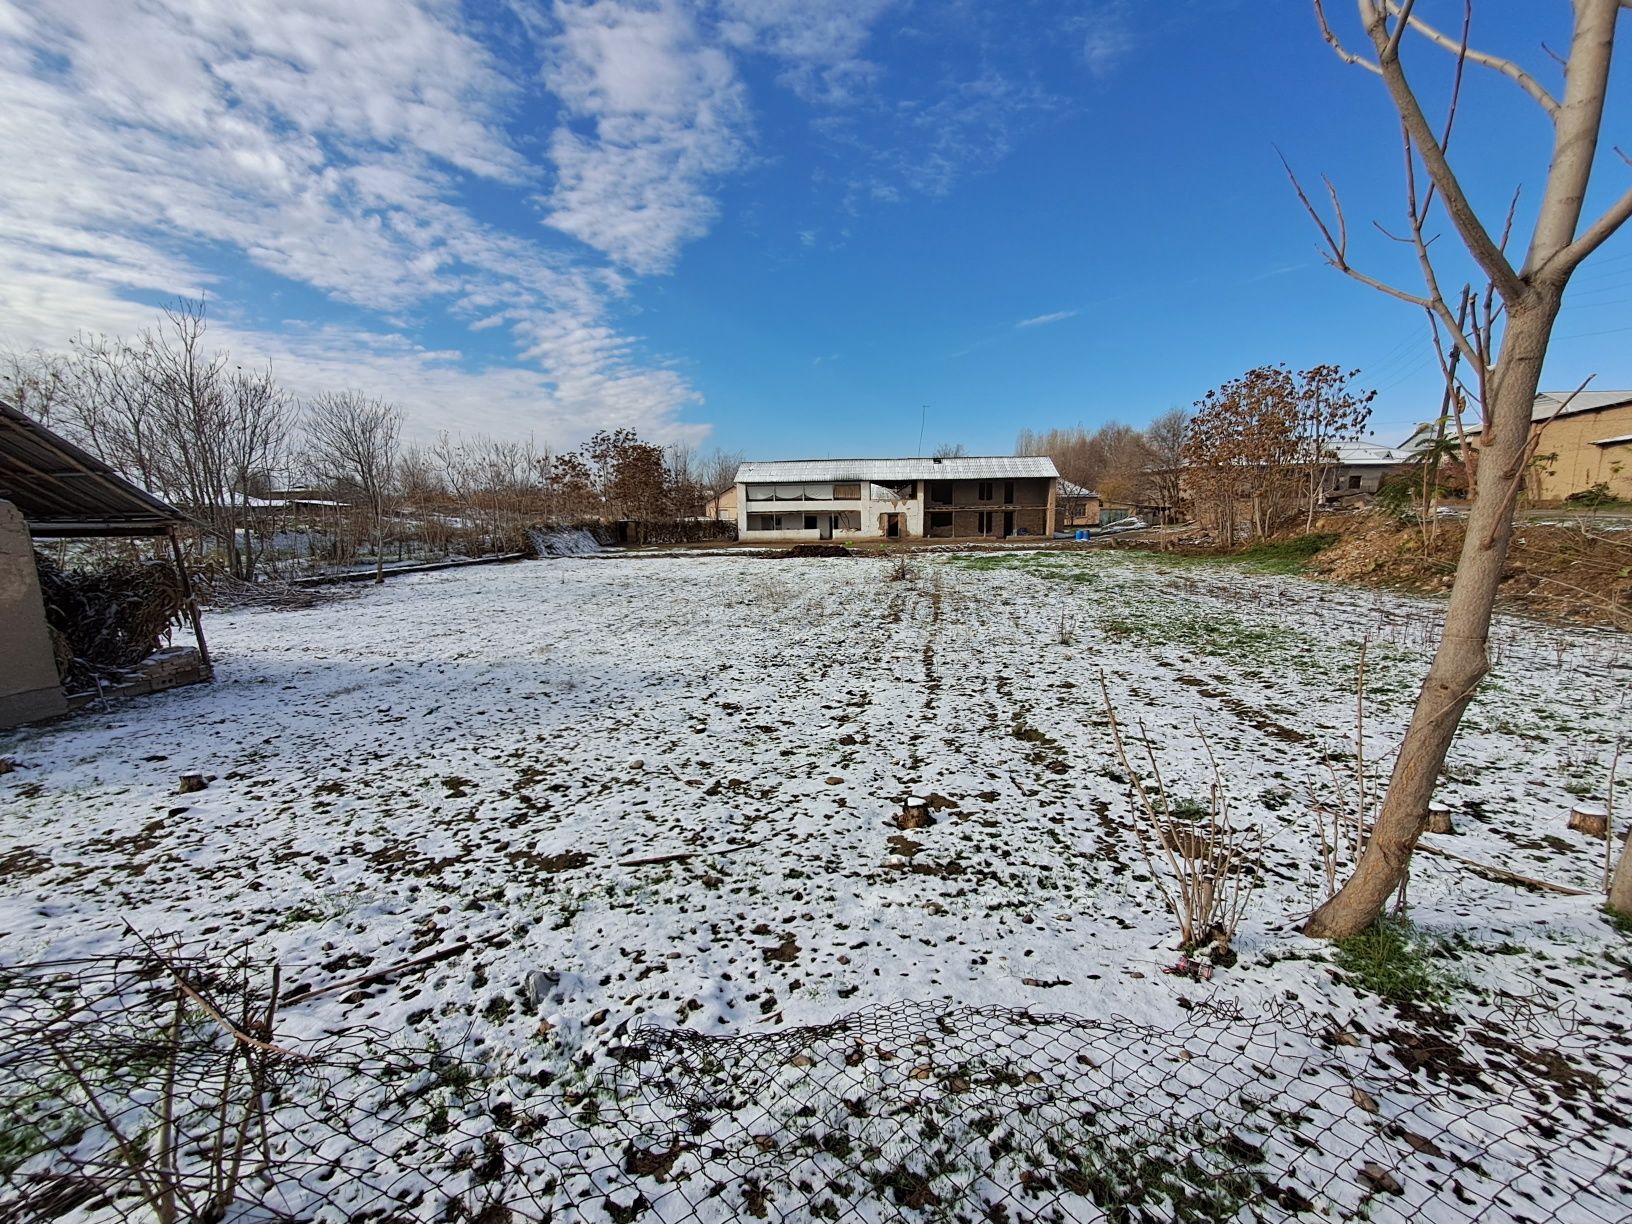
{"type": "Point", "coordinates": [1392, 959]}
{"type": "Point", "coordinates": [1289, 556]}
{"type": "Point", "coordinates": [1220, 635]}
{"type": "Point", "coordinates": [1286, 556]}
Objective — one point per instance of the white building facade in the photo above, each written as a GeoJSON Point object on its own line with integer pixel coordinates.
{"type": "Point", "coordinates": [996, 497]}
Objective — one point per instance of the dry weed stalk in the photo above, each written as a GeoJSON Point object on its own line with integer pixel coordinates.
{"type": "Point", "coordinates": [1342, 828]}
{"type": "Point", "coordinates": [1609, 816]}
{"type": "Point", "coordinates": [1210, 876]}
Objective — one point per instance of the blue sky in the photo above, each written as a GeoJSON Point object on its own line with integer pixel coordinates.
{"type": "Point", "coordinates": [779, 226]}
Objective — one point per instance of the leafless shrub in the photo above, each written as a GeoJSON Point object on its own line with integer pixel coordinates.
{"type": "Point", "coordinates": [1210, 872]}
{"type": "Point", "coordinates": [1345, 809]}
{"type": "Point", "coordinates": [901, 570]}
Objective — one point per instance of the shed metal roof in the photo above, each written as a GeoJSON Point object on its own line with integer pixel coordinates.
{"type": "Point", "coordinates": [1067, 489]}
{"type": "Point", "coordinates": [883, 471]}
{"type": "Point", "coordinates": [1368, 454]}
{"type": "Point", "coordinates": [62, 490]}
{"type": "Point", "coordinates": [1548, 403]}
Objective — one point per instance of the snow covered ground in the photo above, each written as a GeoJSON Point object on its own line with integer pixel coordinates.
{"type": "Point", "coordinates": [486, 755]}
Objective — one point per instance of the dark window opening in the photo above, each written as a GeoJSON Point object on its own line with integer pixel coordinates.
{"type": "Point", "coordinates": [940, 492]}
{"type": "Point", "coordinates": [1008, 492]}
{"type": "Point", "coordinates": [983, 521]}
{"type": "Point", "coordinates": [1354, 482]}
{"type": "Point", "coordinates": [985, 492]}
{"type": "Point", "coordinates": [810, 522]}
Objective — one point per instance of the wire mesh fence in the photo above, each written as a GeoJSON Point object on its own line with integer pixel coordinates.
{"type": "Point", "coordinates": [157, 1086]}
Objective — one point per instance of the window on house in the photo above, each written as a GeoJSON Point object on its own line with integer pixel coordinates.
{"type": "Point", "coordinates": [810, 522]}
{"type": "Point", "coordinates": [1008, 492]}
{"type": "Point", "coordinates": [940, 523]}
{"type": "Point", "coordinates": [983, 520]}
{"type": "Point", "coordinates": [1354, 482]}
{"type": "Point", "coordinates": [940, 492]}
{"type": "Point", "coordinates": [984, 493]}
{"type": "Point", "coordinates": [847, 492]}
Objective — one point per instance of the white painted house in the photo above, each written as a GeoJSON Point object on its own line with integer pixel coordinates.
{"type": "Point", "coordinates": [886, 499]}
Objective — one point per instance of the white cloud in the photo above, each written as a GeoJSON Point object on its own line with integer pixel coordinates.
{"type": "Point", "coordinates": [1106, 29]}
{"type": "Point", "coordinates": [665, 115]}
{"type": "Point", "coordinates": [330, 145]}
{"type": "Point", "coordinates": [1043, 320]}
{"type": "Point", "coordinates": [819, 42]}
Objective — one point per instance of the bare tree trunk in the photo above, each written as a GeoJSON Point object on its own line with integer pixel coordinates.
{"type": "Point", "coordinates": [1620, 888]}
{"type": "Point", "coordinates": [1461, 660]}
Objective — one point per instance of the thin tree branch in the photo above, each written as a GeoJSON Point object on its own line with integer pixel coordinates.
{"type": "Point", "coordinates": [1595, 235]}
{"type": "Point", "coordinates": [1484, 249]}
{"type": "Point", "coordinates": [1497, 63]}
{"type": "Point", "coordinates": [1343, 53]}
{"type": "Point", "coordinates": [1402, 14]}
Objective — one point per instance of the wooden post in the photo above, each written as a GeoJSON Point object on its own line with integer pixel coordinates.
{"type": "Point", "coordinates": [192, 603]}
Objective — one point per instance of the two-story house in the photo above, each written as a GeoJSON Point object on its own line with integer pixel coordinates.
{"type": "Point", "coordinates": [995, 497]}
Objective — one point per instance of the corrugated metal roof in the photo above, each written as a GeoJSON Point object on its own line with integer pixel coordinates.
{"type": "Point", "coordinates": [992, 467]}
{"type": "Point", "coordinates": [1548, 402]}
{"type": "Point", "coordinates": [1363, 454]}
{"type": "Point", "coordinates": [64, 491]}
{"type": "Point", "coordinates": [1067, 489]}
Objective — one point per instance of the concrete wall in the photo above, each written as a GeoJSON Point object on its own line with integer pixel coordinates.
{"type": "Point", "coordinates": [29, 687]}
{"type": "Point", "coordinates": [1032, 507]}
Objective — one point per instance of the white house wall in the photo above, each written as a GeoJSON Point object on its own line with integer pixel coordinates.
{"type": "Point", "coordinates": [871, 510]}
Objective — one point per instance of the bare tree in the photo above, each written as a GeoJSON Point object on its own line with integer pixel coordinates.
{"type": "Point", "coordinates": [949, 450]}
{"type": "Point", "coordinates": [181, 421]}
{"type": "Point", "coordinates": [719, 469]}
{"type": "Point", "coordinates": [1164, 439]}
{"type": "Point", "coordinates": [354, 440]}
{"type": "Point", "coordinates": [1111, 460]}
{"type": "Point", "coordinates": [1329, 411]}
{"type": "Point", "coordinates": [33, 381]}
{"type": "Point", "coordinates": [1526, 299]}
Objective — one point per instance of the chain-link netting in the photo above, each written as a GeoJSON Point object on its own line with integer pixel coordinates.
{"type": "Point", "coordinates": [159, 1086]}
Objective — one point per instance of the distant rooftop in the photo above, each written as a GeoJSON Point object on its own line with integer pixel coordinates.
{"type": "Point", "coordinates": [988, 467]}
{"type": "Point", "coordinates": [1548, 405]}
{"type": "Point", "coordinates": [1565, 404]}
{"type": "Point", "coordinates": [1368, 454]}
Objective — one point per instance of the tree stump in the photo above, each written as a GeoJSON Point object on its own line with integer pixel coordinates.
{"type": "Point", "coordinates": [1590, 819]}
{"type": "Point", "coordinates": [1439, 819]}
{"type": "Point", "coordinates": [191, 782]}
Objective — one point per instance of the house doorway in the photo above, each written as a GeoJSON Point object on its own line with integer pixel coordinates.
{"type": "Point", "coordinates": [1008, 523]}
{"type": "Point", "coordinates": [892, 526]}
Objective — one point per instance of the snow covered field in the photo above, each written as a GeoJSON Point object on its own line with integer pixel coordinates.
{"type": "Point", "coordinates": [485, 755]}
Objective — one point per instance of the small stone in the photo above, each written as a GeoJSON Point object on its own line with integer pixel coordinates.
{"type": "Point", "coordinates": [835, 780]}
{"type": "Point", "coordinates": [540, 984]}
{"type": "Point", "coordinates": [191, 782]}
